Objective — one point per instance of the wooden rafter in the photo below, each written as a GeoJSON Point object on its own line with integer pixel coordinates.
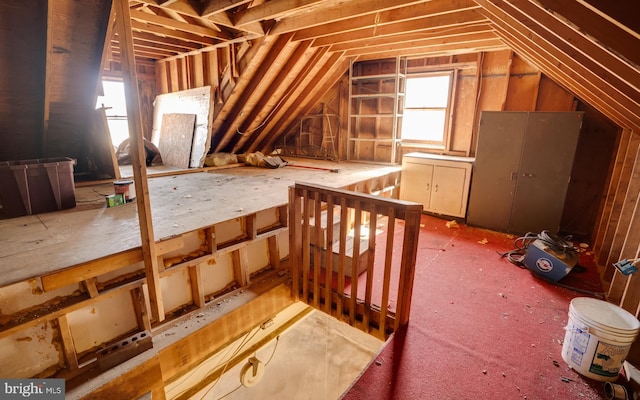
{"type": "Point", "coordinates": [371, 26]}
{"type": "Point", "coordinates": [558, 65]}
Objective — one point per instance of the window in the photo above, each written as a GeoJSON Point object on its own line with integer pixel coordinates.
{"type": "Point", "coordinates": [426, 109]}
{"type": "Point", "coordinates": [116, 110]}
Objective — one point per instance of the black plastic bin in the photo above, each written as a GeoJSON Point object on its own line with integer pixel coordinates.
{"type": "Point", "coordinates": [36, 186]}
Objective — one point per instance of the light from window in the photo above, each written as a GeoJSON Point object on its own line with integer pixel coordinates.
{"type": "Point", "coordinates": [425, 112]}
{"type": "Point", "coordinates": [116, 110]}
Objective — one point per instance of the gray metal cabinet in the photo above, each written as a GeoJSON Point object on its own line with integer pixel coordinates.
{"type": "Point", "coordinates": [522, 170]}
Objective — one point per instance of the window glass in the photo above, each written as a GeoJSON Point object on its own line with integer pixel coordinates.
{"type": "Point", "coordinates": [425, 112]}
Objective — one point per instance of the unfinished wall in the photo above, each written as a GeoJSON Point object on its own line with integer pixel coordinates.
{"type": "Point", "coordinates": [58, 324]}
{"type": "Point", "coordinates": [49, 76]}
{"type": "Point", "coordinates": [22, 79]}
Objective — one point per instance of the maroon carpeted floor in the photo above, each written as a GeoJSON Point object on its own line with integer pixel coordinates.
{"type": "Point", "coordinates": [480, 328]}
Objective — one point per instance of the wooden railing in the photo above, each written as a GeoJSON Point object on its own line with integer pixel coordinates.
{"type": "Point", "coordinates": [336, 235]}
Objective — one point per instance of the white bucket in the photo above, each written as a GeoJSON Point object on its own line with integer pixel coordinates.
{"type": "Point", "coordinates": [598, 338]}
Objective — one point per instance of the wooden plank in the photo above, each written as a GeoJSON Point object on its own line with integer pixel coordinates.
{"type": "Point", "coordinates": [90, 284]}
{"type": "Point", "coordinates": [274, 251]}
{"type": "Point", "coordinates": [240, 259]}
{"type": "Point", "coordinates": [342, 254]}
{"type": "Point", "coordinates": [68, 347]}
{"type": "Point", "coordinates": [355, 260]}
{"type": "Point", "coordinates": [176, 139]}
{"type": "Point", "coordinates": [373, 221]}
{"type": "Point", "coordinates": [142, 312]}
{"type": "Point", "coordinates": [388, 260]}
{"type": "Point", "coordinates": [169, 245]}
{"type": "Point", "coordinates": [183, 355]}
{"type": "Point", "coordinates": [611, 193]}
{"type": "Point", "coordinates": [306, 239]}
{"type": "Point", "coordinates": [197, 291]}
{"type": "Point", "coordinates": [192, 101]}
{"type": "Point", "coordinates": [318, 245]}
{"type": "Point", "coordinates": [328, 268]}
{"type": "Point", "coordinates": [624, 204]}
{"type": "Point", "coordinates": [407, 266]}
{"type": "Point", "coordinates": [295, 241]}
{"type": "Point", "coordinates": [555, 58]}
{"type": "Point", "coordinates": [91, 269]}
{"type": "Point", "coordinates": [593, 23]}
{"type": "Point", "coordinates": [130, 385]}
{"type": "Point", "coordinates": [123, 22]}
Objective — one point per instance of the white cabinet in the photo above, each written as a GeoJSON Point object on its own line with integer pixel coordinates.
{"type": "Point", "coordinates": [439, 183]}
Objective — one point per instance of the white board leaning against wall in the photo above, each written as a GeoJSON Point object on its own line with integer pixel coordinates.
{"type": "Point", "coordinates": [192, 101]}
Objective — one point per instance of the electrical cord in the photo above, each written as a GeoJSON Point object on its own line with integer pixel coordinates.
{"type": "Point", "coordinates": [265, 364]}
{"type": "Point", "coordinates": [554, 242]}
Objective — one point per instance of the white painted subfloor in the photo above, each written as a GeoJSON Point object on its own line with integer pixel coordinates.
{"type": "Point", "coordinates": [316, 359]}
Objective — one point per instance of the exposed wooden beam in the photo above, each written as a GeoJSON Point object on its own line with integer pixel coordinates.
{"type": "Point", "coordinates": [413, 37]}
{"type": "Point", "coordinates": [339, 12]}
{"type": "Point", "coordinates": [217, 6]}
{"type": "Point", "coordinates": [162, 31]}
{"type": "Point", "coordinates": [579, 47]}
{"type": "Point", "coordinates": [622, 41]}
{"type": "Point", "coordinates": [319, 61]}
{"type": "Point", "coordinates": [169, 23]}
{"type": "Point", "coordinates": [149, 254]}
{"type": "Point", "coordinates": [261, 110]}
{"type": "Point", "coordinates": [588, 75]}
{"type": "Point", "coordinates": [617, 12]}
{"type": "Point", "coordinates": [324, 74]}
{"type": "Point", "coordinates": [370, 27]}
{"type": "Point", "coordinates": [422, 46]}
{"type": "Point", "coordinates": [252, 79]}
{"type": "Point", "coordinates": [554, 64]}
{"type": "Point", "coordinates": [272, 10]}
{"type": "Point", "coordinates": [435, 50]}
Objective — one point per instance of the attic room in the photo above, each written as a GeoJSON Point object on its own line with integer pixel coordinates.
{"type": "Point", "coordinates": [416, 139]}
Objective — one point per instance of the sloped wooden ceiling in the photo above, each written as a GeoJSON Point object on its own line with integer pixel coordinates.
{"type": "Point", "coordinates": [297, 49]}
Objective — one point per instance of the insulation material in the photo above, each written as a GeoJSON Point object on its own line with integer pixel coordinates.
{"type": "Point", "coordinates": [30, 352]}
{"type": "Point", "coordinates": [258, 256]}
{"type": "Point", "coordinates": [217, 274]}
{"type": "Point", "coordinates": [176, 290]}
{"type": "Point", "coordinates": [22, 295]}
{"type": "Point", "coordinates": [102, 322]}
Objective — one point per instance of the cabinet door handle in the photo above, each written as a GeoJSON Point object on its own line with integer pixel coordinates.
{"type": "Point", "coordinates": [527, 175]}
{"type": "Point", "coordinates": [514, 176]}
{"type": "Point", "coordinates": [428, 187]}
{"type": "Point", "coordinates": [435, 189]}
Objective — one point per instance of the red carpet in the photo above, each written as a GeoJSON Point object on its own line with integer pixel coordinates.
{"type": "Point", "coordinates": [480, 328]}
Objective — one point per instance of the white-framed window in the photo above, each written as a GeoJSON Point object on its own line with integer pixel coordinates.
{"type": "Point", "coordinates": [426, 108]}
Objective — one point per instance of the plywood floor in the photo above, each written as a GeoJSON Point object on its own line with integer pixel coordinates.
{"type": "Point", "coordinates": [34, 245]}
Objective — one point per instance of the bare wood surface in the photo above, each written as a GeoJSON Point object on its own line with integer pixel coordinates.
{"type": "Point", "coordinates": [129, 75]}
{"type": "Point", "coordinates": [51, 242]}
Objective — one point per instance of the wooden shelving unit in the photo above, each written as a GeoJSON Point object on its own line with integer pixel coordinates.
{"type": "Point", "coordinates": [376, 104]}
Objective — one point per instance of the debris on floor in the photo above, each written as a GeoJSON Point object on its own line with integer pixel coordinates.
{"type": "Point", "coordinates": [451, 224]}
{"type": "Point", "coordinates": [483, 241]}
